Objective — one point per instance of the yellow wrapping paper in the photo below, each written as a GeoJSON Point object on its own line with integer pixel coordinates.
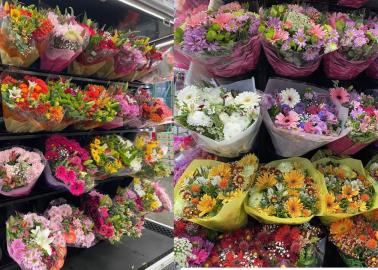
{"type": "Point", "coordinates": [356, 165]}
{"type": "Point", "coordinates": [85, 70]}
{"type": "Point", "coordinates": [318, 178]}
{"type": "Point", "coordinates": [231, 216]}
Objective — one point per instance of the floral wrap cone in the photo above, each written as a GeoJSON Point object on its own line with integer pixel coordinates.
{"type": "Point", "coordinates": [288, 69]}
{"type": "Point", "coordinates": [336, 66]}
{"type": "Point", "coordinates": [352, 3]}
{"type": "Point", "coordinates": [242, 59]}
{"type": "Point", "coordinates": [319, 181]}
{"type": "Point", "coordinates": [372, 70]}
{"type": "Point", "coordinates": [356, 165]}
{"type": "Point", "coordinates": [230, 217]}
{"type": "Point", "coordinates": [346, 146]}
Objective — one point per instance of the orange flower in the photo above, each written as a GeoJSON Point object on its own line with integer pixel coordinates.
{"type": "Point", "coordinates": [223, 170]}
{"type": "Point", "coordinates": [341, 227]}
{"type": "Point", "coordinates": [363, 238]}
{"type": "Point", "coordinates": [365, 197]}
{"type": "Point", "coordinates": [307, 212]}
{"type": "Point", "coordinates": [294, 179]}
{"type": "Point", "coordinates": [56, 113]}
{"type": "Point", "coordinates": [294, 207]}
{"type": "Point", "coordinates": [376, 235]}
{"type": "Point", "coordinates": [196, 188]}
{"type": "Point", "coordinates": [339, 172]}
{"type": "Point", "coordinates": [265, 180]}
{"type": "Point", "coordinates": [195, 201]}
{"type": "Point", "coordinates": [371, 243]}
{"type": "Point", "coordinates": [206, 205]}
{"type": "Point", "coordinates": [348, 193]}
{"type": "Point", "coordinates": [223, 183]}
{"type": "Point", "coordinates": [331, 205]}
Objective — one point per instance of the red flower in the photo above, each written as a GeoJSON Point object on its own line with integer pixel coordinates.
{"type": "Point", "coordinates": [42, 31]}
{"type": "Point", "coordinates": [89, 29]}
{"type": "Point", "coordinates": [8, 80]}
{"type": "Point", "coordinates": [369, 110]}
{"type": "Point", "coordinates": [286, 235]}
{"type": "Point", "coordinates": [25, 13]}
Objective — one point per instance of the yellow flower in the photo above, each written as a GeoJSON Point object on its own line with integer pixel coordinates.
{"type": "Point", "coordinates": [363, 207]}
{"type": "Point", "coordinates": [15, 14]}
{"type": "Point", "coordinates": [331, 205]}
{"type": "Point", "coordinates": [249, 159]}
{"type": "Point", "coordinates": [270, 210]}
{"type": "Point", "coordinates": [293, 192]}
{"type": "Point", "coordinates": [140, 141]}
{"type": "Point", "coordinates": [294, 207]}
{"type": "Point", "coordinates": [97, 142]}
{"type": "Point", "coordinates": [307, 212]}
{"type": "Point", "coordinates": [265, 180]}
{"type": "Point", "coordinates": [294, 179]}
{"type": "Point", "coordinates": [136, 181]}
{"type": "Point", "coordinates": [151, 146]}
{"type": "Point", "coordinates": [341, 227]}
{"type": "Point", "coordinates": [348, 193]}
{"type": "Point", "coordinates": [95, 155]}
{"type": "Point", "coordinates": [231, 195]}
{"type": "Point", "coordinates": [154, 205]}
{"type": "Point", "coordinates": [223, 170]}
{"type": "Point", "coordinates": [205, 205]}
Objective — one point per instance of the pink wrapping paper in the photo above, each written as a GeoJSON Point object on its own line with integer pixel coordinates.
{"type": "Point", "coordinates": [56, 60]}
{"type": "Point", "coordinates": [345, 146]}
{"type": "Point", "coordinates": [116, 123]}
{"type": "Point", "coordinates": [243, 59]}
{"type": "Point", "coordinates": [336, 66]}
{"type": "Point", "coordinates": [352, 3]}
{"type": "Point", "coordinates": [284, 68]}
{"type": "Point", "coordinates": [372, 70]}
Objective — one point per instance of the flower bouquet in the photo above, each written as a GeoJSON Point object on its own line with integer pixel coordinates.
{"type": "Point", "coordinates": [69, 165]}
{"type": "Point", "coordinates": [225, 42]}
{"type": "Point", "coordinates": [289, 191]}
{"type": "Point", "coordinates": [100, 51]}
{"type": "Point", "coordinates": [20, 169]}
{"type": "Point", "coordinates": [270, 246]}
{"type": "Point", "coordinates": [356, 240]}
{"type": "Point", "coordinates": [222, 121]}
{"type": "Point", "coordinates": [350, 191]}
{"type": "Point", "coordinates": [27, 105]}
{"type": "Point", "coordinates": [301, 118]}
{"type": "Point", "coordinates": [362, 121]}
{"type": "Point", "coordinates": [33, 243]}
{"type": "Point", "coordinates": [372, 167]}
{"type": "Point", "coordinates": [352, 3]}
{"type": "Point", "coordinates": [66, 42]}
{"type": "Point", "coordinates": [153, 197]}
{"type": "Point", "coordinates": [20, 29]}
{"type": "Point", "coordinates": [294, 39]}
{"type": "Point", "coordinates": [357, 47]}
{"type": "Point", "coordinates": [211, 193]}
{"type": "Point", "coordinates": [78, 229]}
{"type": "Point", "coordinates": [105, 215]}
{"type": "Point", "coordinates": [101, 107]}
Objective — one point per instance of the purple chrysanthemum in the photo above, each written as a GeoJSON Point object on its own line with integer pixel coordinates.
{"type": "Point", "coordinates": [300, 38]}
{"type": "Point", "coordinates": [311, 54]}
{"type": "Point", "coordinates": [195, 40]}
{"type": "Point", "coordinates": [360, 41]}
{"type": "Point", "coordinates": [274, 22]}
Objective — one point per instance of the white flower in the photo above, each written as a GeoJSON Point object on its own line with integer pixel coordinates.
{"type": "Point", "coordinates": [290, 97]}
{"type": "Point", "coordinates": [212, 95]}
{"type": "Point", "coordinates": [356, 184]}
{"type": "Point", "coordinates": [248, 100]}
{"type": "Point", "coordinates": [234, 125]}
{"type": "Point", "coordinates": [224, 117]}
{"type": "Point", "coordinates": [32, 85]}
{"type": "Point", "coordinates": [15, 92]}
{"type": "Point", "coordinates": [41, 238]}
{"type": "Point", "coordinates": [255, 199]}
{"type": "Point", "coordinates": [136, 164]}
{"type": "Point", "coordinates": [215, 180]}
{"type": "Point", "coordinates": [201, 180]}
{"type": "Point", "coordinates": [189, 95]}
{"type": "Point", "coordinates": [229, 99]}
{"type": "Point", "coordinates": [199, 118]}
{"type": "Point", "coordinates": [285, 167]}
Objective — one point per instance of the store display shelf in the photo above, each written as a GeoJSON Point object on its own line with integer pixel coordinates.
{"type": "Point", "coordinates": [37, 72]}
{"type": "Point", "coordinates": [42, 192]}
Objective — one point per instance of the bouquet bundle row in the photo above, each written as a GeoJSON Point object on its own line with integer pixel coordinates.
{"type": "Point", "coordinates": [294, 38]}
{"type": "Point", "coordinates": [32, 104]}
{"type": "Point", "coordinates": [298, 117]}
{"type": "Point", "coordinates": [40, 241]}
{"type": "Point", "coordinates": [28, 33]}
{"type": "Point", "coordinates": [289, 191]}
{"type": "Point", "coordinates": [67, 165]}
{"type": "Point", "coordinates": [255, 245]}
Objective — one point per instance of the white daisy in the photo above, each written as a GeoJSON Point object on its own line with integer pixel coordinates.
{"type": "Point", "coordinates": [285, 167]}
{"type": "Point", "coordinates": [290, 97]}
{"type": "Point", "coordinates": [199, 118]}
{"type": "Point", "coordinates": [189, 95]}
{"type": "Point", "coordinates": [248, 100]}
{"type": "Point", "coordinates": [212, 95]}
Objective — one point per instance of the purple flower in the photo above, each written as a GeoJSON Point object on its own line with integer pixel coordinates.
{"type": "Point", "coordinates": [232, 26]}
{"type": "Point", "coordinates": [274, 22]}
{"type": "Point", "coordinates": [195, 40]}
{"type": "Point", "coordinates": [311, 54]}
{"type": "Point", "coordinates": [300, 108]}
{"type": "Point", "coordinates": [300, 38]}
{"type": "Point", "coordinates": [213, 47]}
{"type": "Point", "coordinates": [360, 41]}
{"type": "Point", "coordinates": [254, 26]}
{"type": "Point", "coordinates": [285, 109]}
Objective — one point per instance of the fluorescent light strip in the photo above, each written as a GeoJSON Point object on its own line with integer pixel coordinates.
{"type": "Point", "coordinates": [164, 44]}
{"type": "Point", "coordinates": [145, 10]}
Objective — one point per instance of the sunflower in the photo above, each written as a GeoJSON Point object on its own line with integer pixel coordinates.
{"type": "Point", "coordinates": [331, 205]}
{"type": "Point", "coordinates": [294, 179]}
{"type": "Point", "coordinates": [247, 160]}
{"type": "Point", "coordinates": [265, 180]}
{"type": "Point", "coordinates": [205, 205]}
{"type": "Point", "coordinates": [348, 193]}
{"type": "Point", "coordinates": [341, 227]}
{"type": "Point", "coordinates": [223, 170]}
{"type": "Point", "coordinates": [294, 207]}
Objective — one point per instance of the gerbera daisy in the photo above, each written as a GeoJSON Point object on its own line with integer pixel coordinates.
{"type": "Point", "coordinates": [223, 170]}
{"type": "Point", "coordinates": [248, 100]}
{"type": "Point", "coordinates": [288, 121]}
{"type": "Point", "coordinates": [265, 180]}
{"type": "Point", "coordinates": [339, 95]}
{"type": "Point", "coordinates": [205, 205]}
{"type": "Point", "coordinates": [294, 207]}
{"type": "Point", "coordinates": [290, 97]}
{"type": "Point", "coordinates": [341, 227]}
{"type": "Point", "coordinates": [294, 179]}
{"type": "Point", "coordinates": [248, 160]}
{"type": "Point", "coordinates": [331, 205]}
{"type": "Point", "coordinates": [348, 192]}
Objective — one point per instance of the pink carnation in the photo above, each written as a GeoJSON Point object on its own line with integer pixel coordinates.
{"type": "Point", "coordinates": [70, 176]}
{"type": "Point", "coordinates": [77, 188]}
{"type": "Point", "coordinates": [61, 173]}
{"type": "Point", "coordinates": [197, 19]}
{"type": "Point", "coordinates": [223, 19]}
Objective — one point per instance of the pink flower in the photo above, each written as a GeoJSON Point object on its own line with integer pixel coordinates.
{"type": "Point", "coordinates": [70, 177]}
{"type": "Point", "coordinates": [280, 35]}
{"type": "Point", "coordinates": [197, 19]}
{"type": "Point", "coordinates": [222, 19]}
{"type": "Point", "coordinates": [234, 6]}
{"type": "Point", "coordinates": [308, 127]}
{"type": "Point", "coordinates": [339, 95]}
{"type": "Point", "coordinates": [104, 212]}
{"type": "Point", "coordinates": [75, 160]}
{"type": "Point", "coordinates": [163, 196]}
{"type": "Point", "coordinates": [289, 121]}
{"type": "Point", "coordinates": [17, 250]}
{"type": "Point", "coordinates": [313, 109]}
{"type": "Point", "coordinates": [61, 173]}
{"type": "Point", "coordinates": [317, 31]}
{"type": "Point", "coordinates": [77, 188]}
{"type": "Point", "coordinates": [51, 155]}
